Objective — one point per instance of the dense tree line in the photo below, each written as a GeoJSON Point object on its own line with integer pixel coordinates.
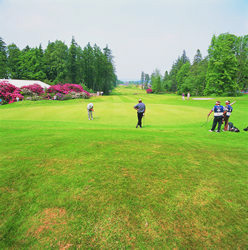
{"type": "Point", "coordinates": [224, 71]}
{"type": "Point", "coordinates": [58, 63]}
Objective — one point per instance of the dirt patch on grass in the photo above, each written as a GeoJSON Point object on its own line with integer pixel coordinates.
{"type": "Point", "coordinates": [63, 245]}
{"type": "Point", "coordinates": [60, 166]}
{"type": "Point", "coordinates": [127, 173]}
{"type": "Point", "coordinates": [7, 190]}
{"type": "Point", "coordinates": [50, 220]}
{"type": "Point", "coordinates": [50, 229]}
{"type": "Point", "coordinates": [59, 161]}
{"type": "Point", "coordinates": [204, 195]}
{"type": "Point", "coordinates": [113, 231]}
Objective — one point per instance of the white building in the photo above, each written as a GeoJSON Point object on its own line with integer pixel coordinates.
{"type": "Point", "coordinates": [21, 83]}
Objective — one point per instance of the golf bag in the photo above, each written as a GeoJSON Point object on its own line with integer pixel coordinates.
{"type": "Point", "coordinates": [232, 128]}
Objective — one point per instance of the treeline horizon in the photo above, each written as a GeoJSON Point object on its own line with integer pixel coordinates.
{"type": "Point", "coordinates": [91, 66]}
{"type": "Point", "coordinates": [224, 71]}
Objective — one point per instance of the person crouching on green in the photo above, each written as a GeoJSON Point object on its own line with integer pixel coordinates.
{"type": "Point", "coordinates": [90, 110]}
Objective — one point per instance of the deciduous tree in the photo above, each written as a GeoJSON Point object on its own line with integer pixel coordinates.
{"type": "Point", "coordinates": [222, 66]}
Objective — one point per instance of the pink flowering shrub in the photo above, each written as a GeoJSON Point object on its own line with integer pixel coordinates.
{"type": "Point", "coordinates": [74, 87]}
{"type": "Point", "coordinates": [59, 96]}
{"type": "Point", "coordinates": [67, 88]}
{"type": "Point", "coordinates": [9, 92]}
{"type": "Point", "coordinates": [149, 91]}
{"type": "Point", "coordinates": [34, 89]}
{"type": "Point", "coordinates": [57, 89]}
{"type": "Point", "coordinates": [79, 95]}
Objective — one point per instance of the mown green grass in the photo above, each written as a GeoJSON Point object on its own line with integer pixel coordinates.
{"type": "Point", "coordinates": [69, 182]}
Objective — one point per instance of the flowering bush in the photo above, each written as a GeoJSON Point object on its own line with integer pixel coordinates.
{"type": "Point", "coordinates": [34, 89]}
{"type": "Point", "coordinates": [149, 91]}
{"type": "Point", "coordinates": [74, 87]}
{"type": "Point", "coordinates": [9, 92]}
{"type": "Point", "coordinates": [57, 89]}
{"type": "Point", "coordinates": [67, 97]}
{"type": "Point", "coordinates": [27, 92]}
{"type": "Point", "coordinates": [47, 96]}
{"type": "Point", "coordinates": [67, 88]}
{"type": "Point", "coordinates": [80, 95]}
{"type": "Point", "coordinates": [59, 96]}
{"type": "Point", "coordinates": [34, 98]}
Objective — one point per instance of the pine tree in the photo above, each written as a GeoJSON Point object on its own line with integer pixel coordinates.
{"type": "Point", "coordinates": [100, 61]}
{"type": "Point", "coordinates": [72, 62]}
{"type": "Point", "coordinates": [181, 77]}
{"type": "Point", "coordinates": [39, 67]}
{"type": "Point", "coordinates": [142, 79]}
{"type": "Point", "coordinates": [147, 79]}
{"type": "Point", "coordinates": [13, 61]}
{"type": "Point", "coordinates": [31, 64]}
{"type": "Point", "coordinates": [156, 82]}
{"type": "Point", "coordinates": [110, 77]}
{"type": "Point", "coordinates": [166, 76]}
{"type": "Point", "coordinates": [197, 57]}
{"type": "Point", "coordinates": [88, 62]}
{"type": "Point", "coordinates": [184, 58]}
{"type": "Point", "coordinates": [108, 54]}
{"type": "Point", "coordinates": [175, 69]}
{"type": "Point", "coordinates": [3, 60]}
{"type": "Point", "coordinates": [196, 80]}
{"type": "Point", "coordinates": [55, 59]}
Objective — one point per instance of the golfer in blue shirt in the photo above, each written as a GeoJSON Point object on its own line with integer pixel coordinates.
{"type": "Point", "coordinates": [141, 109]}
{"type": "Point", "coordinates": [218, 116]}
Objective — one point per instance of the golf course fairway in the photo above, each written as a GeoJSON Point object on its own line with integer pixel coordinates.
{"type": "Point", "coordinates": [67, 182]}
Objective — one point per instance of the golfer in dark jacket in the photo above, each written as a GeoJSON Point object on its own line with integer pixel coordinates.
{"type": "Point", "coordinates": [141, 109]}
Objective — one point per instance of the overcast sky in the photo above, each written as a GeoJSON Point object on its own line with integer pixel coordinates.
{"type": "Point", "coordinates": [142, 34]}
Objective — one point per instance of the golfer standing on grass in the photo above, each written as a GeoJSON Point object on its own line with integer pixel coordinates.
{"type": "Point", "coordinates": [228, 111]}
{"type": "Point", "coordinates": [90, 110]}
{"type": "Point", "coordinates": [141, 109]}
{"type": "Point", "coordinates": [218, 116]}
{"type": "Point", "coordinates": [188, 96]}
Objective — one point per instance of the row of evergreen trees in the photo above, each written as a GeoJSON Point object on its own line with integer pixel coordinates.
{"type": "Point", "coordinates": [59, 63]}
{"type": "Point", "coordinates": [224, 71]}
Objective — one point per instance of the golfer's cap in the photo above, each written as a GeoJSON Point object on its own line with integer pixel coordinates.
{"type": "Point", "coordinates": [218, 102]}
{"type": "Point", "coordinates": [140, 100]}
{"type": "Point", "coordinates": [227, 102]}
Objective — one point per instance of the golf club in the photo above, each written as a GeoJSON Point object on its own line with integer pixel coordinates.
{"type": "Point", "coordinates": [206, 122]}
